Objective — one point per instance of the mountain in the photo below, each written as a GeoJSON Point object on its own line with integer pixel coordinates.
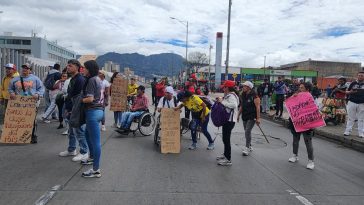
{"type": "Point", "coordinates": [164, 64]}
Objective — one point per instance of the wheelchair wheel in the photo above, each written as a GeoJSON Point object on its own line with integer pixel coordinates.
{"type": "Point", "coordinates": [146, 124]}
{"type": "Point", "coordinates": [157, 139]}
{"type": "Point", "coordinates": [185, 125]}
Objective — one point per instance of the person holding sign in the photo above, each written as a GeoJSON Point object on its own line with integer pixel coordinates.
{"type": "Point", "coordinates": [27, 84]}
{"type": "Point", "coordinates": [355, 105]}
{"type": "Point", "coordinates": [169, 100]}
{"type": "Point", "coordinates": [250, 113]}
{"type": "Point", "coordinates": [200, 116]}
{"type": "Point", "coordinates": [307, 135]}
{"type": "Point", "coordinates": [94, 112]}
{"type": "Point", "coordinates": [231, 102]}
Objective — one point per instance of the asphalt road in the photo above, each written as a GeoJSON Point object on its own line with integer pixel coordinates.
{"type": "Point", "coordinates": [134, 172]}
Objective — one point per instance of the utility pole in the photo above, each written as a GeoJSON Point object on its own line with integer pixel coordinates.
{"type": "Point", "coordinates": [228, 44]}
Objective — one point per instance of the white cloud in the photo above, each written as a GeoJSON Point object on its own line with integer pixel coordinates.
{"type": "Point", "coordinates": [284, 31]}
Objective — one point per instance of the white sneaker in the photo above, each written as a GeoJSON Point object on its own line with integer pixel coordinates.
{"type": "Point", "coordinates": [247, 150]}
{"type": "Point", "coordinates": [310, 165]}
{"type": "Point", "coordinates": [103, 128]}
{"type": "Point", "coordinates": [361, 135]}
{"type": "Point", "coordinates": [224, 162]}
{"type": "Point", "coordinates": [65, 132]}
{"type": "Point", "coordinates": [80, 157]}
{"type": "Point", "coordinates": [346, 133]}
{"type": "Point", "coordinates": [67, 153]}
{"type": "Point", "coordinates": [293, 159]}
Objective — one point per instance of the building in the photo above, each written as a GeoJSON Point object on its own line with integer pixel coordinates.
{"type": "Point", "coordinates": [111, 67]}
{"type": "Point", "coordinates": [37, 47]}
{"type": "Point", "coordinates": [85, 58]}
{"type": "Point", "coordinates": [325, 68]}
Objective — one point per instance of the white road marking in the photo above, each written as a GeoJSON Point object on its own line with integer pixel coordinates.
{"type": "Point", "coordinates": [45, 198]}
{"type": "Point", "coordinates": [302, 199]}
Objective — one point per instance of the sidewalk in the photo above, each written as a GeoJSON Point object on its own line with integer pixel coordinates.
{"type": "Point", "coordinates": [330, 132]}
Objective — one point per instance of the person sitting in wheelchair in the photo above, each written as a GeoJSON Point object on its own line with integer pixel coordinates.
{"type": "Point", "coordinates": [169, 100]}
{"type": "Point", "coordinates": [139, 106]}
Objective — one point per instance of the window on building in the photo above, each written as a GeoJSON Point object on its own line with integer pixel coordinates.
{"type": "Point", "coordinates": [13, 41]}
{"type": "Point", "coordinates": [2, 41]}
{"type": "Point", "coordinates": [26, 42]}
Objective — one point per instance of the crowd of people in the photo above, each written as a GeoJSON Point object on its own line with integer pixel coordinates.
{"type": "Point", "coordinates": [78, 95]}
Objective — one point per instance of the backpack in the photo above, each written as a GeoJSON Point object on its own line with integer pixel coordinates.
{"type": "Point", "coordinates": [206, 101]}
{"type": "Point", "coordinates": [50, 81]}
{"type": "Point", "coordinates": [174, 100]}
{"type": "Point", "coordinates": [219, 115]}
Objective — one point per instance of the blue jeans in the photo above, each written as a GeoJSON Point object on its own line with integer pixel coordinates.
{"type": "Point", "coordinates": [193, 126]}
{"type": "Point", "coordinates": [117, 117]}
{"type": "Point", "coordinates": [77, 134]}
{"type": "Point", "coordinates": [93, 135]}
{"type": "Point", "coordinates": [128, 117]}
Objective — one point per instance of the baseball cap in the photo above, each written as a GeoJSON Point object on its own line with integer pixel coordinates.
{"type": "Point", "coordinates": [169, 89]}
{"type": "Point", "coordinates": [103, 72]}
{"type": "Point", "coordinates": [249, 84]}
{"type": "Point", "coordinates": [229, 84]}
{"type": "Point", "coordinates": [26, 65]}
{"type": "Point", "coordinates": [10, 65]}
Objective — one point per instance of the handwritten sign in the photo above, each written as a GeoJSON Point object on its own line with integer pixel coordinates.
{"type": "Point", "coordinates": [119, 92]}
{"type": "Point", "coordinates": [170, 131]}
{"type": "Point", "coordinates": [19, 120]}
{"type": "Point", "coordinates": [304, 112]}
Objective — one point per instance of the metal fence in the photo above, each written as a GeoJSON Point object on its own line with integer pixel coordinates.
{"type": "Point", "coordinates": [39, 66]}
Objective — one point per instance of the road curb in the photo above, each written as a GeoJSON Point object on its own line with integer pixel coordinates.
{"type": "Point", "coordinates": [349, 141]}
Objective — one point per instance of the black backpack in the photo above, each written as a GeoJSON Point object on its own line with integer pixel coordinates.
{"type": "Point", "coordinates": [50, 81]}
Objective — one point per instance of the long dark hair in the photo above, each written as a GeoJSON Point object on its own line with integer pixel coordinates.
{"type": "Point", "coordinates": [113, 76]}
{"type": "Point", "coordinates": [92, 67]}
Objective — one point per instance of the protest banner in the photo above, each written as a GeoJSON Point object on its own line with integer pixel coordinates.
{"type": "Point", "coordinates": [170, 131]}
{"type": "Point", "coordinates": [119, 92]}
{"type": "Point", "coordinates": [19, 120]}
{"type": "Point", "coordinates": [304, 112]}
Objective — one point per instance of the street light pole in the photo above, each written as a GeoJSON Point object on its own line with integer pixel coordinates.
{"type": "Point", "coordinates": [228, 44]}
{"type": "Point", "coordinates": [185, 23]}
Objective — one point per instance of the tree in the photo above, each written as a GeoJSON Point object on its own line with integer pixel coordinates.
{"type": "Point", "coordinates": [197, 59]}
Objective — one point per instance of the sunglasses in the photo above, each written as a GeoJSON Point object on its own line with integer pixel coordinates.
{"type": "Point", "coordinates": [7, 68]}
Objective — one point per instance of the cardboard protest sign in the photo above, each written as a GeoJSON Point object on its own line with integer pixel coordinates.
{"type": "Point", "coordinates": [119, 92]}
{"type": "Point", "coordinates": [19, 120]}
{"type": "Point", "coordinates": [304, 112]}
{"type": "Point", "coordinates": [170, 131]}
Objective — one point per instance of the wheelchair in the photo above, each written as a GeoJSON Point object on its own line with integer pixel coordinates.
{"type": "Point", "coordinates": [145, 124]}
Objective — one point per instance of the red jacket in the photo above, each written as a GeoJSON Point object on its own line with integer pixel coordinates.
{"type": "Point", "coordinates": [160, 89]}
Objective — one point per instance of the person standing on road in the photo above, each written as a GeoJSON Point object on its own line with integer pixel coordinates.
{"type": "Point", "coordinates": [117, 114]}
{"type": "Point", "coordinates": [27, 84]}
{"type": "Point", "coordinates": [11, 73]}
{"type": "Point", "coordinates": [339, 90]}
{"type": "Point", "coordinates": [52, 76]}
{"type": "Point", "coordinates": [200, 116]}
{"type": "Point", "coordinates": [280, 90]}
{"type": "Point", "coordinates": [160, 92]}
{"type": "Point", "coordinates": [231, 102]}
{"type": "Point", "coordinates": [105, 87]}
{"type": "Point", "coordinates": [307, 135]}
{"type": "Point", "coordinates": [59, 100]}
{"type": "Point", "coordinates": [355, 105]}
{"type": "Point", "coordinates": [265, 92]}
{"type": "Point", "coordinates": [250, 113]}
{"type": "Point", "coordinates": [75, 133]}
{"type": "Point", "coordinates": [154, 91]}
{"type": "Point", "coordinates": [94, 112]}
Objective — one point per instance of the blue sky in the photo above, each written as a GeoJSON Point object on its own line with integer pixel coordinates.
{"type": "Point", "coordinates": [284, 31]}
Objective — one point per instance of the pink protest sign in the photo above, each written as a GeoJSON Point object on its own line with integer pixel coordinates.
{"type": "Point", "coordinates": [304, 112]}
